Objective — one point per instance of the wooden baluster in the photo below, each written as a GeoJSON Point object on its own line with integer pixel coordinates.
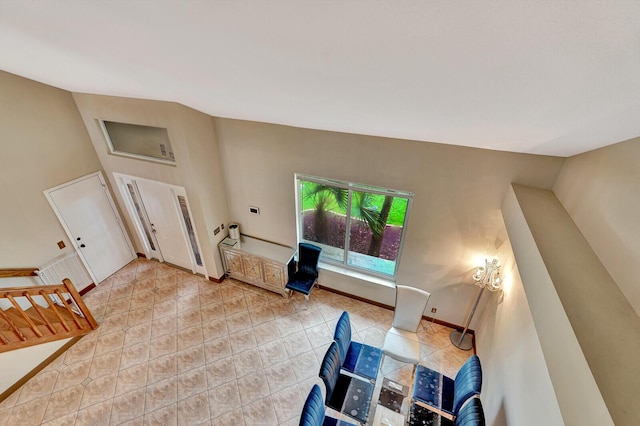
{"type": "Point", "coordinates": [68, 308]}
{"type": "Point", "coordinates": [54, 309]}
{"type": "Point", "coordinates": [12, 325]}
{"type": "Point", "coordinates": [80, 303]}
{"type": "Point", "coordinates": [72, 303]}
{"type": "Point", "coordinates": [24, 315]}
{"type": "Point", "coordinates": [42, 315]}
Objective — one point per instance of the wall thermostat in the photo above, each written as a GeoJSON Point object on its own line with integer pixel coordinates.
{"type": "Point", "coordinates": [254, 210]}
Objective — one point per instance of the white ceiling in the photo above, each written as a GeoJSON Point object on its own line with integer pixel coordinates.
{"type": "Point", "coordinates": [544, 77]}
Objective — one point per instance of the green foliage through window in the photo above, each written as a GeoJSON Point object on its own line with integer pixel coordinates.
{"type": "Point", "coordinates": [369, 221]}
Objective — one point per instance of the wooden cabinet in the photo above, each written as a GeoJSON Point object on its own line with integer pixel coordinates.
{"type": "Point", "coordinates": [257, 262]}
{"type": "Point", "coordinates": [252, 267]}
{"type": "Point", "coordinates": [274, 273]}
{"type": "Point", "coordinates": [233, 262]}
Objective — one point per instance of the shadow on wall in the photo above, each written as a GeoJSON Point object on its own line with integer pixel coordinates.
{"type": "Point", "coordinates": [460, 289]}
{"type": "Point", "coordinates": [450, 286]}
{"type": "Point", "coordinates": [500, 418]}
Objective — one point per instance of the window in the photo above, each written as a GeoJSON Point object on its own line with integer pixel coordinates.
{"type": "Point", "coordinates": [136, 141]}
{"type": "Point", "coordinates": [369, 221]}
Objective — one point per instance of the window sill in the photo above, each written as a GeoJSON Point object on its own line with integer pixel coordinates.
{"type": "Point", "coordinates": [357, 275]}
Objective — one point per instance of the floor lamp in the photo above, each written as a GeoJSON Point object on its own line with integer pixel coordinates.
{"type": "Point", "coordinates": [488, 277]}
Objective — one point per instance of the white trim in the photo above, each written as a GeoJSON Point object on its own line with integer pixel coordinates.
{"type": "Point", "coordinates": [175, 191]}
{"type": "Point", "coordinates": [185, 235]}
{"type": "Point", "coordinates": [355, 186]}
{"type": "Point", "coordinates": [199, 268]}
{"type": "Point", "coordinates": [113, 151]}
{"type": "Point", "coordinates": [47, 194]}
{"type": "Point", "coordinates": [121, 182]}
{"type": "Point", "coordinates": [373, 279]}
{"type": "Point", "coordinates": [343, 266]}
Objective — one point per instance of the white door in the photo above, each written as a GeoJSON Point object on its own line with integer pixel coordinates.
{"type": "Point", "coordinates": [161, 205]}
{"type": "Point", "coordinates": [133, 202]}
{"type": "Point", "coordinates": [88, 215]}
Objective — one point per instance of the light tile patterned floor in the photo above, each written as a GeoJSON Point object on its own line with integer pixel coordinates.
{"type": "Point", "coordinates": [173, 348]}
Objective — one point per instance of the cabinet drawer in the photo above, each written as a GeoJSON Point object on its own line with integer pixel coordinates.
{"type": "Point", "coordinates": [234, 262]}
{"type": "Point", "coordinates": [252, 267]}
{"type": "Point", "coordinates": [274, 273]}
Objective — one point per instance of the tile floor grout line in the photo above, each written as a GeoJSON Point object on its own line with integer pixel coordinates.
{"type": "Point", "coordinates": [291, 326]}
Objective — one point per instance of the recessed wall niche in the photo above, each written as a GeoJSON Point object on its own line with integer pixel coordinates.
{"type": "Point", "coordinates": [138, 141]}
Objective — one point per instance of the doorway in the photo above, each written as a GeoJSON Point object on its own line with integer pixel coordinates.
{"type": "Point", "coordinates": [90, 219]}
{"type": "Point", "coordinates": [163, 221]}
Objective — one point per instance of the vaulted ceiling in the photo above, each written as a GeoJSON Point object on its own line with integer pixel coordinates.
{"type": "Point", "coordinates": [544, 77]}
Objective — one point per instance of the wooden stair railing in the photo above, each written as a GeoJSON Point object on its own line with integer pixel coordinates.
{"type": "Point", "coordinates": [55, 312]}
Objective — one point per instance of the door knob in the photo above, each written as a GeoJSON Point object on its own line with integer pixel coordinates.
{"type": "Point", "coordinates": [82, 245]}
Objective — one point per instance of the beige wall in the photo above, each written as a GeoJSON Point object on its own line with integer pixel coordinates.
{"type": "Point", "coordinates": [517, 388]}
{"type": "Point", "coordinates": [603, 321]}
{"type": "Point", "coordinates": [206, 186]}
{"type": "Point", "coordinates": [22, 361]}
{"type": "Point", "coordinates": [455, 219]}
{"type": "Point", "coordinates": [601, 191]}
{"type": "Point", "coordinates": [43, 143]}
{"type": "Point", "coordinates": [455, 222]}
{"type": "Point", "coordinates": [197, 166]}
{"type": "Point", "coordinates": [568, 369]}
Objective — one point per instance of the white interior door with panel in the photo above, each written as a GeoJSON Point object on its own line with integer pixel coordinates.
{"type": "Point", "coordinates": [133, 202]}
{"type": "Point", "coordinates": [163, 221]}
{"type": "Point", "coordinates": [161, 208]}
{"type": "Point", "coordinates": [90, 219]}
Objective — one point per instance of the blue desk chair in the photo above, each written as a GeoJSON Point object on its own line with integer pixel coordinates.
{"type": "Point", "coordinates": [346, 394]}
{"type": "Point", "coordinates": [437, 390]}
{"type": "Point", "coordinates": [305, 276]}
{"type": "Point", "coordinates": [471, 414]}
{"type": "Point", "coordinates": [357, 358]}
{"type": "Point", "coordinates": [313, 413]}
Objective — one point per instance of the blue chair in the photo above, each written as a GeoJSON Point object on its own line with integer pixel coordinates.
{"type": "Point", "coordinates": [357, 358]}
{"type": "Point", "coordinates": [346, 394]}
{"type": "Point", "coordinates": [306, 275]}
{"type": "Point", "coordinates": [313, 411]}
{"type": "Point", "coordinates": [471, 414]}
{"type": "Point", "coordinates": [437, 390]}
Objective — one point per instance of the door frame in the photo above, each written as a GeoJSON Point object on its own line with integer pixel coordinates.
{"type": "Point", "coordinates": [67, 231]}
{"type": "Point", "coordinates": [121, 181]}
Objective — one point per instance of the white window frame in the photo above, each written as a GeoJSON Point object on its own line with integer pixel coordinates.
{"type": "Point", "coordinates": [114, 151]}
{"type": "Point", "coordinates": [351, 186]}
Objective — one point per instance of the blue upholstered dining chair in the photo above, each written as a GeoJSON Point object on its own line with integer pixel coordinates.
{"type": "Point", "coordinates": [346, 394]}
{"type": "Point", "coordinates": [437, 390]}
{"type": "Point", "coordinates": [305, 276]}
{"type": "Point", "coordinates": [357, 358]}
{"type": "Point", "coordinates": [471, 414]}
{"type": "Point", "coordinates": [313, 413]}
